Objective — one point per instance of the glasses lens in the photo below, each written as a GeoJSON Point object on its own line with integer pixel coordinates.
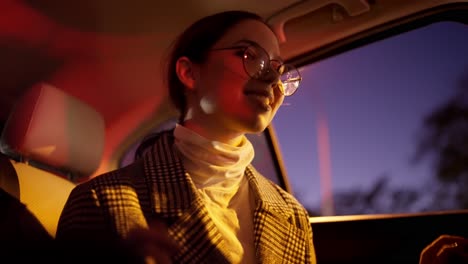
{"type": "Point", "coordinates": [290, 79]}
{"type": "Point", "coordinates": [255, 62]}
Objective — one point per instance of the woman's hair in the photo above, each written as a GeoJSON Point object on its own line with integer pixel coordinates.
{"type": "Point", "coordinates": [194, 43]}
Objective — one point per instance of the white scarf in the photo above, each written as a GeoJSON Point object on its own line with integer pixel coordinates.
{"type": "Point", "coordinates": [213, 163]}
{"type": "Point", "coordinates": [217, 170]}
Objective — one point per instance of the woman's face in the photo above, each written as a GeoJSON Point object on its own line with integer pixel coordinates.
{"type": "Point", "coordinates": [225, 98]}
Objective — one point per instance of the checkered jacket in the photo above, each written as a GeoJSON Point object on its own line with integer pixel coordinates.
{"type": "Point", "coordinates": [156, 186]}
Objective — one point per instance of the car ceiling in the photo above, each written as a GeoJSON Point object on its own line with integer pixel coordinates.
{"type": "Point", "coordinates": [108, 53]}
{"type": "Point", "coordinates": [94, 49]}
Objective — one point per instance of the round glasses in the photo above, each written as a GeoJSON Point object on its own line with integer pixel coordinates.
{"type": "Point", "coordinates": [257, 65]}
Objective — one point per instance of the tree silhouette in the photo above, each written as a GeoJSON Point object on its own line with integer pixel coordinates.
{"type": "Point", "coordinates": [446, 136]}
{"type": "Point", "coordinates": [379, 198]}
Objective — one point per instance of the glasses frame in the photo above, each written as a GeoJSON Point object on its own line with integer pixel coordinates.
{"type": "Point", "coordinates": [269, 62]}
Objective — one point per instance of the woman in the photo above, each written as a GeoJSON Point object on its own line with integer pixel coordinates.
{"type": "Point", "coordinates": [192, 196]}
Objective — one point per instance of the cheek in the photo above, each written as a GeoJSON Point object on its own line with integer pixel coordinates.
{"type": "Point", "coordinates": [232, 67]}
{"type": "Point", "coordinates": [224, 73]}
{"type": "Point", "coordinates": [221, 84]}
{"type": "Point", "coordinates": [221, 93]}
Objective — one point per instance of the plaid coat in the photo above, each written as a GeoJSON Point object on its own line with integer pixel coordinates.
{"type": "Point", "coordinates": [157, 187]}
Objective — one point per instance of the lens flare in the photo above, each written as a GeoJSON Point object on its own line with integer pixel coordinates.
{"type": "Point", "coordinates": [208, 106]}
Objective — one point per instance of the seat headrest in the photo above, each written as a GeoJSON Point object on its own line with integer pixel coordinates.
{"type": "Point", "coordinates": [54, 129]}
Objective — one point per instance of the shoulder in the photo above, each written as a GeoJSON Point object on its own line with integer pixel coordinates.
{"type": "Point", "coordinates": [152, 139]}
{"type": "Point", "coordinates": [125, 176]}
{"type": "Point", "coordinates": [272, 186]}
{"type": "Point", "coordinates": [290, 200]}
{"type": "Point", "coordinates": [271, 189]}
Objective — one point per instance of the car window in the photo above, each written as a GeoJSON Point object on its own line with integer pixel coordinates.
{"type": "Point", "coordinates": [382, 128]}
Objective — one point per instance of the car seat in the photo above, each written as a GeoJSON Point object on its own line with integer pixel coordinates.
{"type": "Point", "coordinates": [52, 140]}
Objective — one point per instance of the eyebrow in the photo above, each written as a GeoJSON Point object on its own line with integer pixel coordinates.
{"type": "Point", "coordinates": [251, 42]}
{"type": "Point", "coordinates": [247, 41]}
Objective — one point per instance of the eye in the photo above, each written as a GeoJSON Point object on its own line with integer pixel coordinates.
{"type": "Point", "coordinates": [239, 53]}
{"type": "Point", "coordinates": [250, 54]}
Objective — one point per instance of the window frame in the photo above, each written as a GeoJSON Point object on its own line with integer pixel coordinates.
{"type": "Point", "coordinates": [454, 12]}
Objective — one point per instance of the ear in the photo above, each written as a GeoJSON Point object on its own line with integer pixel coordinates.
{"type": "Point", "coordinates": [185, 70]}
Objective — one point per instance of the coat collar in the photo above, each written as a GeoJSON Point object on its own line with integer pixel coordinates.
{"type": "Point", "coordinates": [267, 195]}
{"type": "Point", "coordinates": [176, 192]}
{"type": "Point", "coordinates": [173, 190]}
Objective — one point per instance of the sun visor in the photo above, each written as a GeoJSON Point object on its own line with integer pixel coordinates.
{"type": "Point", "coordinates": [54, 129]}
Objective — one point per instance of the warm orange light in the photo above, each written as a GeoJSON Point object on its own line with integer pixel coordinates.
{"type": "Point", "coordinates": [43, 193]}
{"type": "Point", "coordinates": [325, 169]}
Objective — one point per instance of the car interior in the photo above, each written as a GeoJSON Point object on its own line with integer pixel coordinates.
{"type": "Point", "coordinates": [81, 87]}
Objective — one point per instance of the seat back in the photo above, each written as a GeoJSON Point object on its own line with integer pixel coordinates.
{"type": "Point", "coordinates": [9, 181]}
{"type": "Point", "coordinates": [19, 227]}
{"type": "Point", "coordinates": [52, 139]}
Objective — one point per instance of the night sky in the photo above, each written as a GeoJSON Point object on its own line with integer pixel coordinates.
{"type": "Point", "coordinates": [367, 107]}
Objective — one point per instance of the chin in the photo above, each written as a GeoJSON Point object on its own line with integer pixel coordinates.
{"type": "Point", "coordinates": [253, 124]}
{"type": "Point", "coordinates": [256, 127]}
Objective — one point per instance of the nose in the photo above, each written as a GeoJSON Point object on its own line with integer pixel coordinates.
{"type": "Point", "coordinates": [271, 76]}
{"type": "Point", "coordinates": [274, 82]}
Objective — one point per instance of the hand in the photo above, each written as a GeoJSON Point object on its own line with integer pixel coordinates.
{"type": "Point", "coordinates": [153, 244]}
{"type": "Point", "coordinates": [445, 249]}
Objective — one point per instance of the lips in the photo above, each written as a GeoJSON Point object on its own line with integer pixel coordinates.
{"type": "Point", "coordinates": [262, 98]}
{"type": "Point", "coordinates": [260, 93]}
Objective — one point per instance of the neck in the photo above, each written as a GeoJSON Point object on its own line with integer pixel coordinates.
{"type": "Point", "coordinates": [214, 133]}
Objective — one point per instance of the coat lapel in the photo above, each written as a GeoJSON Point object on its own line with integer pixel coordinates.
{"type": "Point", "coordinates": [276, 235]}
